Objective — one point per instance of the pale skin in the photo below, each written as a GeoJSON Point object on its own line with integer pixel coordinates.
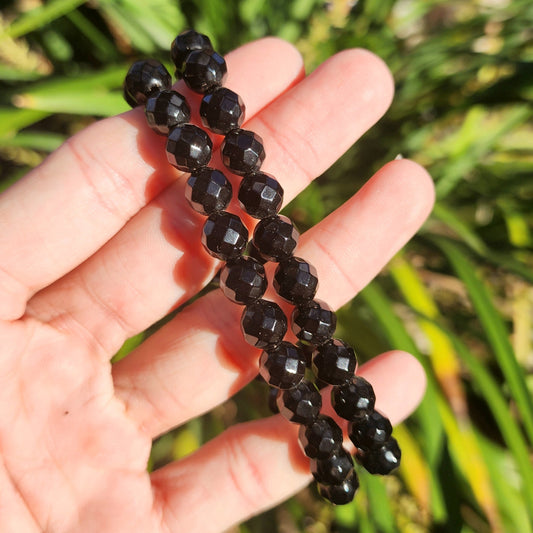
{"type": "Point", "coordinates": [98, 243]}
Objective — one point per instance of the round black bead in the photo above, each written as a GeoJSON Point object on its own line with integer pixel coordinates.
{"type": "Point", "coordinates": [186, 42]}
{"type": "Point", "coordinates": [296, 280]}
{"type": "Point", "coordinates": [208, 190]}
{"type": "Point", "coordinates": [282, 367]}
{"type": "Point", "coordinates": [321, 438]}
{"type": "Point", "coordinates": [243, 280]}
{"type": "Point", "coordinates": [204, 71]}
{"type": "Point", "coordinates": [275, 238]}
{"type": "Point", "coordinates": [382, 460]}
{"type": "Point", "coordinates": [334, 362]}
{"type": "Point", "coordinates": [242, 151]}
{"type": "Point", "coordinates": [145, 78]}
{"type": "Point", "coordinates": [314, 322]}
{"type": "Point", "coordinates": [334, 469]}
{"type": "Point", "coordinates": [353, 399]}
{"type": "Point", "coordinates": [301, 404]}
{"type": "Point", "coordinates": [166, 110]}
{"type": "Point", "coordinates": [224, 235]}
{"type": "Point", "coordinates": [370, 431]}
{"type": "Point", "coordinates": [222, 110]}
{"type": "Point", "coordinates": [260, 195]}
{"type": "Point", "coordinates": [188, 147]}
{"type": "Point", "coordinates": [343, 493]}
{"type": "Point", "coordinates": [263, 324]}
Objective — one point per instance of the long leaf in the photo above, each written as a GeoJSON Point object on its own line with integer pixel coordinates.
{"type": "Point", "coordinates": [495, 330]}
{"type": "Point", "coordinates": [39, 17]}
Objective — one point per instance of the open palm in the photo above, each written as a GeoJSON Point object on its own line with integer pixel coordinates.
{"type": "Point", "coordinates": [99, 243]}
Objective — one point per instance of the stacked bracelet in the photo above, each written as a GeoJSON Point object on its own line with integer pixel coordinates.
{"type": "Point", "coordinates": [282, 364]}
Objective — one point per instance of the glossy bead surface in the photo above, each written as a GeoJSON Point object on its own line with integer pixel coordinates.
{"type": "Point", "coordinates": [275, 238]}
{"type": "Point", "coordinates": [334, 362]}
{"type": "Point", "coordinates": [260, 195]}
{"type": "Point", "coordinates": [282, 367]}
{"type": "Point", "coordinates": [334, 469]}
{"type": "Point", "coordinates": [382, 460]}
{"type": "Point", "coordinates": [343, 493]}
{"type": "Point", "coordinates": [166, 110]}
{"type": "Point", "coordinates": [222, 110]}
{"type": "Point", "coordinates": [242, 151]}
{"type": "Point", "coordinates": [208, 190]}
{"type": "Point", "coordinates": [296, 280]}
{"type": "Point", "coordinates": [188, 147]}
{"type": "Point", "coordinates": [314, 322]}
{"type": "Point", "coordinates": [186, 42]}
{"type": "Point", "coordinates": [144, 79]}
{"type": "Point", "coordinates": [243, 280]}
{"type": "Point", "coordinates": [353, 399]}
{"type": "Point", "coordinates": [370, 431]}
{"type": "Point", "coordinates": [204, 70]}
{"type": "Point", "coordinates": [321, 438]}
{"type": "Point", "coordinates": [224, 236]}
{"type": "Point", "coordinates": [263, 324]}
{"type": "Point", "coordinates": [301, 404]}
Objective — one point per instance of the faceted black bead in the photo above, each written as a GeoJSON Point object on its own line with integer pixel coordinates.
{"type": "Point", "coordinates": [382, 460]}
{"type": "Point", "coordinates": [144, 79]}
{"type": "Point", "coordinates": [321, 438]}
{"type": "Point", "coordinates": [222, 110]}
{"type": "Point", "coordinates": [204, 71]}
{"type": "Point", "coordinates": [208, 190]}
{"type": "Point", "coordinates": [224, 236]}
{"type": "Point", "coordinates": [343, 493]}
{"type": "Point", "coordinates": [166, 110]}
{"type": "Point", "coordinates": [242, 151]}
{"type": "Point", "coordinates": [370, 431]}
{"type": "Point", "coordinates": [275, 238]}
{"type": "Point", "coordinates": [186, 42]}
{"type": "Point", "coordinates": [334, 469]}
{"type": "Point", "coordinates": [301, 404]}
{"type": "Point", "coordinates": [353, 399]}
{"type": "Point", "coordinates": [314, 322]}
{"type": "Point", "coordinates": [260, 195]}
{"type": "Point", "coordinates": [282, 367]}
{"type": "Point", "coordinates": [188, 147]}
{"type": "Point", "coordinates": [334, 362]}
{"type": "Point", "coordinates": [296, 280]}
{"type": "Point", "coordinates": [243, 280]}
{"type": "Point", "coordinates": [263, 324]}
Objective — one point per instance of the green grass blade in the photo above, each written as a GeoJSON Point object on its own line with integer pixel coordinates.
{"type": "Point", "coordinates": [492, 394]}
{"type": "Point", "coordinates": [87, 94]}
{"type": "Point", "coordinates": [427, 414]}
{"type": "Point", "coordinates": [40, 16]}
{"type": "Point", "coordinates": [12, 120]}
{"type": "Point", "coordinates": [495, 330]}
{"type": "Point", "coordinates": [47, 142]}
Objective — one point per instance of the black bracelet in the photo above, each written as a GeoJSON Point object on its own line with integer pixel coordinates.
{"type": "Point", "coordinates": [242, 279]}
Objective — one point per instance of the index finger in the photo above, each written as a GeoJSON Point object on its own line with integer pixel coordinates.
{"type": "Point", "coordinates": [84, 193]}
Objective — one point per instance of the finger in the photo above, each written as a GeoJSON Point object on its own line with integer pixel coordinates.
{"type": "Point", "coordinates": [157, 261]}
{"type": "Point", "coordinates": [65, 209]}
{"type": "Point", "coordinates": [200, 358]}
{"type": "Point", "coordinates": [258, 464]}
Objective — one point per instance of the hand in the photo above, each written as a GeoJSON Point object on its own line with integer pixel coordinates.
{"type": "Point", "coordinates": [98, 243]}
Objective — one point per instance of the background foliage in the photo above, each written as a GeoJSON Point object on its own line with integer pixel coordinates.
{"type": "Point", "coordinates": [459, 296]}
